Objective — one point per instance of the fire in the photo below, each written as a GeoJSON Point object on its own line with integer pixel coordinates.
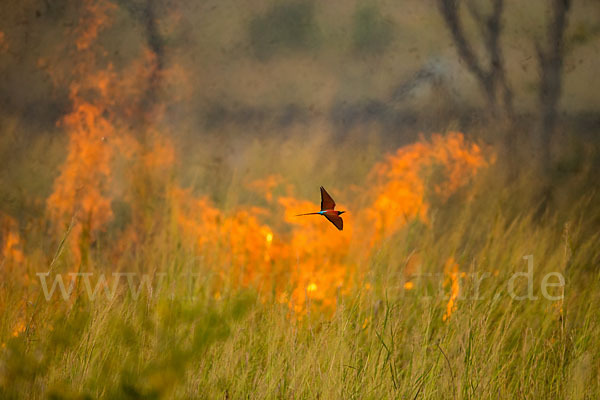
{"type": "Point", "coordinates": [265, 186]}
{"type": "Point", "coordinates": [317, 254]}
{"type": "Point", "coordinates": [238, 244]}
{"type": "Point", "coordinates": [402, 178]}
{"type": "Point", "coordinates": [303, 262]}
{"type": "Point", "coordinates": [80, 191]}
{"type": "Point", "coordinates": [95, 19]}
{"type": "Point", "coordinates": [11, 247]}
{"type": "Point", "coordinates": [452, 280]}
{"type": "Point", "coordinates": [104, 101]}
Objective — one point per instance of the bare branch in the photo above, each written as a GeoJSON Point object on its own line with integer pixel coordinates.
{"type": "Point", "coordinates": [449, 10]}
{"type": "Point", "coordinates": [492, 76]}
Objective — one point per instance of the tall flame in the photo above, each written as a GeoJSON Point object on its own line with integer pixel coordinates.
{"type": "Point", "coordinates": [104, 101]}
{"type": "Point", "coordinates": [12, 252]}
{"type": "Point", "coordinates": [80, 190]}
{"type": "Point", "coordinates": [453, 276]}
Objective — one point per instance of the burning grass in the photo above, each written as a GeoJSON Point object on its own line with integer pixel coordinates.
{"type": "Point", "coordinates": [253, 306]}
{"type": "Point", "coordinates": [193, 297]}
{"type": "Point", "coordinates": [251, 299]}
{"type": "Point", "coordinates": [300, 260]}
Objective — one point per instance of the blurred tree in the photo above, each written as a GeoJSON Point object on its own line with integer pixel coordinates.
{"type": "Point", "coordinates": [491, 77]}
{"type": "Point", "coordinates": [551, 62]}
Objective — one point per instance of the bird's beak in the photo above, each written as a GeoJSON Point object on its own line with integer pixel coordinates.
{"type": "Point", "coordinates": [341, 212]}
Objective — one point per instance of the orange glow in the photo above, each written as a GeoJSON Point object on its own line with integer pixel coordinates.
{"type": "Point", "coordinates": [265, 186]}
{"type": "Point", "coordinates": [3, 43]}
{"type": "Point", "coordinates": [452, 279]}
{"type": "Point", "coordinates": [19, 328]}
{"type": "Point", "coordinates": [269, 237]}
{"type": "Point", "coordinates": [238, 245]}
{"type": "Point", "coordinates": [80, 191]}
{"type": "Point", "coordinates": [160, 155]}
{"type": "Point", "coordinates": [311, 263]}
{"type": "Point", "coordinates": [366, 322]}
{"type": "Point", "coordinates": [317, 255]}
{"type": "Point", "coordinates": [402, 178]}
{"type": "Point", "coordinates": [95, 19]}
{"type": "Point", "coordinates": [11, 241]}
{"type": "Point", "coordinates": [300, 261]}
{"type": "Point", "coordinates": [303, 261]}
{"type": "Point", "coordinates": [102, 102]}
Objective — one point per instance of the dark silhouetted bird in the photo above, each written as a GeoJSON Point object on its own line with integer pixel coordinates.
{"type": "Point", "coordinates": [328, 210]}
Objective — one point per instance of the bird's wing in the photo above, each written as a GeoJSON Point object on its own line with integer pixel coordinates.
{"type": "Point", "coordinates": [336, 220]}
{"type": "Point", "coordinates": [327, 202]}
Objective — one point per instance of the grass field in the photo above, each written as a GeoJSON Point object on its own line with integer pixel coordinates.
{"type": "Point", "coordinates": [154, 156]}
{"type": "Point", "coordinates": [208, 301]}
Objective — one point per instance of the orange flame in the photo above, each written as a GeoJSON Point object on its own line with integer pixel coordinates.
{"type": "Point", "coordinates": [265, 186]}
{"type": "Point", "coordinates": [11, 247]}
{"type": "Point", "coordinates": [452, 279]}
{"type": "Point", "coordinates": [80, 189]}
{"type": "Point", "coordinates": [312, 264]}
{"type": "Point", "coordinates": [403, 177]}
{"type": "Point", "coordinates": [102, 99]}
{"type": "Point", "coordinates": [304, 261]}
{"type": "Point", "coordinates": [317, 255]}
{"type": "Point", "coordinates": [3, 43]}
{"type": "Point", "coordinates": [239, 245]}
{"type": "Point", "coordinates": [95, 19]}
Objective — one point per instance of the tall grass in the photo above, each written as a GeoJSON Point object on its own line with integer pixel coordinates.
{"type": "Point", "coordinates": [384, 339]}
{"type": "Point", "coordinates": [221, 292]}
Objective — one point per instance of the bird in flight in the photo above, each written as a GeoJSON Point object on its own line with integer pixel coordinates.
{"type": "Point", "coordinates": [328, 210]}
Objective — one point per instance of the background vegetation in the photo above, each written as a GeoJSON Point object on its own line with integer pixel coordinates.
{"type": "Point", "coordinates": [172, 142]}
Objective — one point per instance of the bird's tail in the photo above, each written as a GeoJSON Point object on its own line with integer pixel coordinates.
{"type": "Point", "coordinates": [313, 213]}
